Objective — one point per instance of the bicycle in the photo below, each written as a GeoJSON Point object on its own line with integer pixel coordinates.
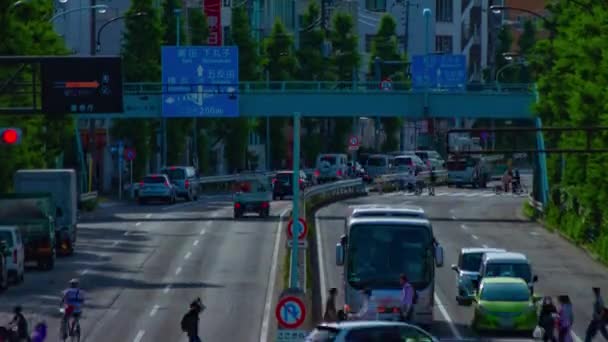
{"type": "Point", "coordinates": [66, 330]}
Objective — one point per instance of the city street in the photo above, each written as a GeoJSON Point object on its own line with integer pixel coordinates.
{"type": "Point", "coordinates": [141, 266]}
{"type": "Point", "coordinates": [476, 218]}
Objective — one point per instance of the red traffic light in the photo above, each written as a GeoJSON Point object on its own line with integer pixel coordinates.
{"type": "Point", "coordinates": [10, 136]}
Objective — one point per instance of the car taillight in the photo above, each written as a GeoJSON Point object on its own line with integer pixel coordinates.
{"type": "Point", "coordinates": [381, 309]}
{"type": "Point", "coordinates": [237, 205]}
{"type": "Point", "coordinates": [300, 181]}
{"type": "Point", "coordinates": [346, 308]}
{"type": "Point", "coordinates": [339, 172]}
{"type": "Point", "coordinates": [15, 256]}
{"type": "Point", "coordinates": [167, 184]}
{"type": "Point", "coordinates": [274, 180]}
{"type": "Point", "coordinates": [187, 183]}
{"type": "Point", "coordinates": [264, 205]}
{"type": "Point", "coordinates": [141, 184]}
{"type": "Point", "coordinates": [317, 173]}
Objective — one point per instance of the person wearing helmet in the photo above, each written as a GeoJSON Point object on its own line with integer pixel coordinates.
{"type": "Point", "coordinates": [72, 300]}
{"type": "Point", "coordinates": [21, 323]}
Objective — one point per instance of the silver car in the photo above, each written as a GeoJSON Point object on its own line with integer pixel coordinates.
{"type": "Point", "coordinates": [185, 180]}
{"type": "Point", "coordinates": [372, 331]}
{"type": "Point", "coordinates": [467, 270]}
{"type": "Point", "coordinates": [156, 187]}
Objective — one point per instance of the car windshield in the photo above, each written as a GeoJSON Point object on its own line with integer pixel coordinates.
{"type": "Point", "coordinates": [285, 177]}
{"type": "Point", "coordinates": [519, 270]}
{"type": "Point", "coordinates": [505, 292]}
{"type": "Point", "coordinates": [379, 253]}
{"type": "Point", "coordinates": [329, 159]}
{"type": "Point", "coordinates": [376, 161]}
{"type": "Point", "coordinates": [471, 262]}
{"type": "Point", "coordinates": [404, 161]}
{"type": "Point", "coordinates": [456, 165]}
{"type": "Point", "coordinates": [422, 155]}
{"type": "Point", "coordinates": [175, 174]}
{"type": "Point", "coordinates": [7, 237]}
{"type": "Point", "coordinates": [154, 180]}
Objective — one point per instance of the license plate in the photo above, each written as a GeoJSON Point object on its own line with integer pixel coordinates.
{"type": "Point", "coordinates": [506, 322]}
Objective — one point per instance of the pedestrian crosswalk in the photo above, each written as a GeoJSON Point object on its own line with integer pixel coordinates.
{"type": "Point", "coordinates": [483, 193]}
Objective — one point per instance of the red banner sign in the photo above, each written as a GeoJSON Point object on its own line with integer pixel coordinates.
{"type": "Point", "coordinates": [213, 11]}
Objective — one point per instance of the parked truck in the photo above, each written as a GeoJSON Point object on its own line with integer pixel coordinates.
{"type": "Point", "coordinates": [34, 215]}
{"type": "Point", "coordinates": [61, 184]}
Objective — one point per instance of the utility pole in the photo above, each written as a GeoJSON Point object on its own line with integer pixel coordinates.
{"type": "Point", "coordinates": [91, 145]}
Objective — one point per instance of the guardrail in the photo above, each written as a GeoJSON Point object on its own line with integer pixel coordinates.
{"type": "Point", "coordinates": [401, 180]}
{"type": "Point", "coordinates": [88, 196]}
{"type": "Point", "coordinates": [538, 206]}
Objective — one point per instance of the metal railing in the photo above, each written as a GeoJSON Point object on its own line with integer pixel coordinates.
{"type": "Point", "coordinates": [538, 206]}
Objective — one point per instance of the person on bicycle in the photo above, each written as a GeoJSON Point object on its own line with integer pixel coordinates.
{"type": "Point", "coordinates": [21, 323]}
{"type": "Point", "coordinates": [72, 301]}
{"type": "Point", "coordinates": [432, 180]}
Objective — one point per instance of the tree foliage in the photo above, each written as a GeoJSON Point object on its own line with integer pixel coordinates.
{"type": "Point", "coordinates": [526, 43]}
{"type": "Point", "coordinates": [141, 63]}
{"type": "Point", "coordinates": [573, 92]}
{"type": "Point", "coordinates": [25, 31]}
{"type": "Point", "coordinates": [199, 29]}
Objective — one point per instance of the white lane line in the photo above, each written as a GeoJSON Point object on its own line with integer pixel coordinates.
{"type": "Point", "coordinates": [575, 337]}
{"type": "Point", "coordinates": [202, 232]}
{"type": "Point", "coordinates": [148, 216]}
{"type": "Point", "coordinates": [271, 280]}
{"type": "Point", "coordinates": [167, 288]}
{"type": "Point", "coordinates": [195, 243]}
{"type": "Point", "coordinates": [83, 272]}
{"type": "Point", "coordinates": [115, 243]}
{"type": "Point", "coordinates": [154, 310]}
{"type": "Point", "coordinates": [187, 256]}
{"type": "Point", "coordinates": [137, 224]}
{"type": "Point", "coordinates": [463, 226]}
{"type": "Point", "coordinates": [178, 271]}
{"type": "Point", "coordinates": [488, 195]}
{"type": "Point", "coordinates": [535, 233]}
{"type": "Point", "coordinates": [127, 233]}
{"type": "Point", "coordinates": [484, 246]}
{"type": "Point", "coordinates": [321, 260]}
{"type": "Point", "coordinates": [139, 336]}
{"type": "Point", "coordinates": [453, 217]}
{"type": "Point", "coordinates": [475, 237]}
{"type": "Point", "coordinates": [447, 317]}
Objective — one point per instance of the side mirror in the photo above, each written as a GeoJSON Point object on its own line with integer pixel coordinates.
{"type": "Point", "coordinates": [339, 254]}
{"type": "Point", "coordinates": [439, 256]}
{"type": "Point", "coordinates": [535, 279]}
{"type": "Point", "coordinates": [344, 240]}
{"type": "Point", "coordinates": [455, 268]}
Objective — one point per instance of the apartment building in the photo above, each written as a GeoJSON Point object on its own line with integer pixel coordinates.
{"type": "Point", "coordinates": [516, 19]}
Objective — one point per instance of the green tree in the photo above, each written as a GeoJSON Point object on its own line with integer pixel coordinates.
{"type": "Point", "coordinates": [169, 22]}
{"type": "Point", "coordinates": [236, 137]}
{"type": "Point", "coordinates": [385, 47]}
{"type": "Point", "coordinates": [24, 31]}
{"type": "Point", "coordinates": [505, 40]}
{"type": "Point", "coordinates": [572, 82]}
{"type": "Point", "coordinates": [526, 45]}
{"type": "Point", "coordinates": [199, 29]}
{"type": "Point", "coordinates": [141, 63]}
{"type": "Point", "coordinates": [280, 62]}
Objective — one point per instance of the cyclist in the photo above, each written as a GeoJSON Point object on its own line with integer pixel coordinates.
{"type": "Point", "coordinates": [20, 322]}
{"type": "Point", "coordinates": [71, 301]}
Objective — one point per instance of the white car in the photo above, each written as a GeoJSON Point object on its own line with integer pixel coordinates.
{"type": "Point", "coordinates": [15, 260]}
{"type": "Point", "coordinates": [369, 331]}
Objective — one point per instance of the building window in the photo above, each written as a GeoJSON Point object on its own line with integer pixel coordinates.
{"type": "Point", "coordinates": [443, 44]}
{"type": "Point", "coordinates": [375, 5]}
{"type": "Point", "coordinates": [444, 11]}
{"type": "Point", "coordinates": [369, 38]}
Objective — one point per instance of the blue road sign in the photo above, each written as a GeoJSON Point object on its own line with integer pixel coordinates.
{"type": "Point", "coordinates": [439, 71]}
{"type": "Point", "coordinates": [201, 81]}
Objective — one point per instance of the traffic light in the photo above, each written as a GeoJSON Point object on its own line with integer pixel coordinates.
{"type": "Point", "coordinates": [10, 136]}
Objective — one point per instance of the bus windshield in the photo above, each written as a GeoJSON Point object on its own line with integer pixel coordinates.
{"type": "Point", "coordinates": [379, 253]}
{"type": "Point", "coordinates": [376, 161]}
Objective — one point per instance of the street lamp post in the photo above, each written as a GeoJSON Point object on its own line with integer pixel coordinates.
{"type": "Point", "coordinates": [100, 9]}
{"type": "Point", "coordinates": [104, 25]}
{"type": "Point", "coordinates": [497, 9]}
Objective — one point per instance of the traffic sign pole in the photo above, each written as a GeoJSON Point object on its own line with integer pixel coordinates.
{"type": "Point", "coordinates": [296, 196]}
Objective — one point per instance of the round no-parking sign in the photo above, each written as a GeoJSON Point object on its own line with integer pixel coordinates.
{"type": "Point", "coordinates": [290, 312]}
{"type": "Point", "coordinates": [302, 228]}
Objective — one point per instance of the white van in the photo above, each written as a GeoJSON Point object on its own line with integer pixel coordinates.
{"type": "Point", "coordinates": [15, 260]}
{"type": "Point", "coordinates": [331, 167]}
{"type": "Point", "coordinates": [507, 264]}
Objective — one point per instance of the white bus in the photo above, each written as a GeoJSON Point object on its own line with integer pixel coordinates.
{"type": "Point", "coordinates": [376, 250]}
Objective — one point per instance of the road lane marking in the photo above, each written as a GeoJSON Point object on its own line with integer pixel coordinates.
{"type": "Point", "coordinates": [154, 310]}
{"type": "Point", "coordinates": [447, 317]}
{"type": "Point", "coordinates": [475, 237]}
{"type": "Point", "coordinates": [453, 217]}
{"type": "Point", "coordinates": [202, 232]}
{"type": "Point", "coordinates": [178, 270]}
{"type": "Point", "coordinates": [137, 224]}
{"type": "Point", "coordinates": [139, 336]}
{"type": "Point", "coordinates": [127, 233]}
{"type": "Point", "coordinates": [463, 226]}
{"type": "Point", "coordinates": [187, 256]}
{"type": "Point", "coordinates": [167, 288]}
{"type": "Point", "coordinates": [484, 246]}
{"type": "Point", "coordinates": [83, 272]}
{"type": "Point", "coordinates": [115, 243]}
{"type": "Point", "coordinates": [271, 279]}
{"type": "Point", "coordinates": [148, 216]}
{"type": "Point", "coordinates": [195, 243]}
{"type": "Point", "coordinates": [535, 233]}
{"type": "Point", "coordinates": [321, 263]}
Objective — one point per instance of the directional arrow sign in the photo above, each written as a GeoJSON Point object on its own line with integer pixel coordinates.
{"type": "Point", "coordinates": [92, 84]}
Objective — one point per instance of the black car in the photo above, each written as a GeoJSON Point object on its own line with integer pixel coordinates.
{"type": "Point", "coordinates": [282, 184]}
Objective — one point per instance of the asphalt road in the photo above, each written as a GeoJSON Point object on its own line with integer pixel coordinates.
{"type": "Point", "coordinates": [470, 218]}
{"type": "Point", "coordinates": [141, 266]}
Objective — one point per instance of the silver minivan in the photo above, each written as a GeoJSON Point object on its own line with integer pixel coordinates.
{"type": "Point", "coordinates": [185, 180]}
{"type": "Point", "coordinates": [507, 264]}
{"type": "Point", "coordinates": [15, 257]}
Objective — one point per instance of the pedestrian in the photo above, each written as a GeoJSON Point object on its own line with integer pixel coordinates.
{"type": "Point", "coordinates": [190, 320]}
{"type": "Point", "coordinates": [331, 314]}
{"type": "Point", "coordinates": [408, 298]}
{"type": "Point", "coordinates": [546, 319]}
{"type": "Point", "coordinates": [20, 323]}
{"type": "Point", "coordinates": [598, 319]}
{"type": "Point", "coordinates": [566, 319]}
